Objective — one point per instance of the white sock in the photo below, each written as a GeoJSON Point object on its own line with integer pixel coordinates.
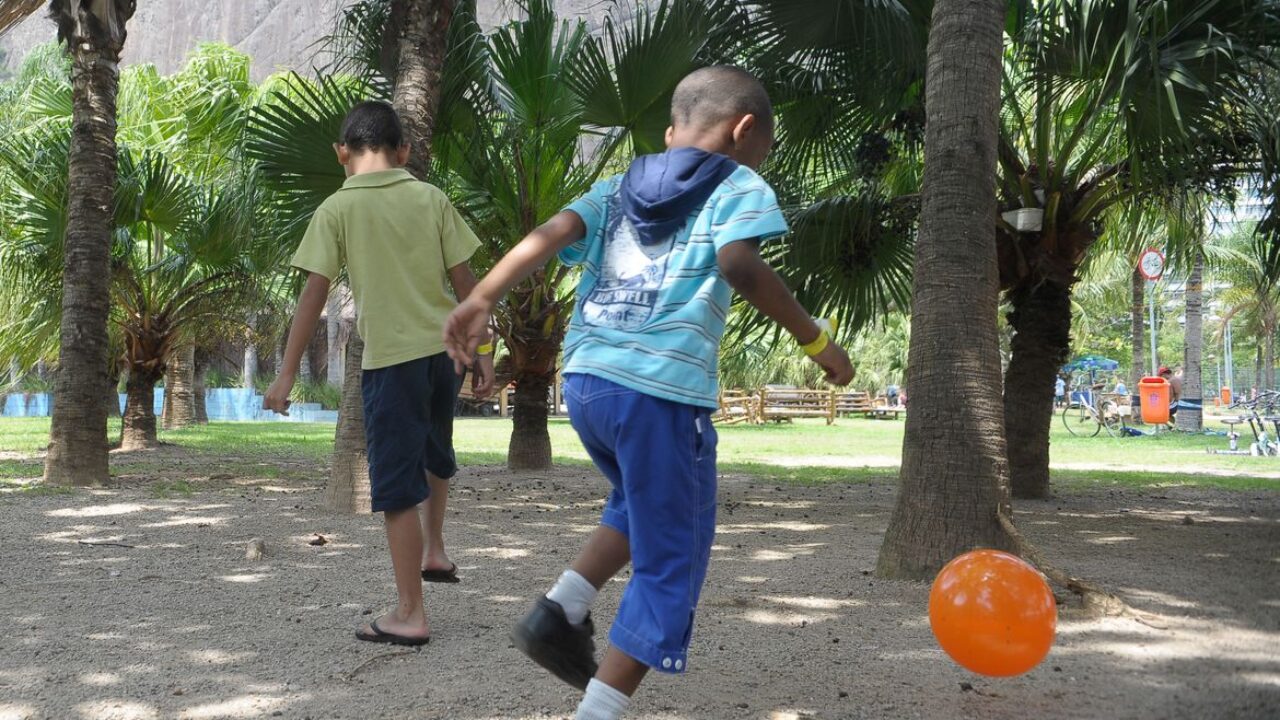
{"type": "Point", "coordinates": [574, 594]}
{"type": "Point", "coordinates": [601, 703]}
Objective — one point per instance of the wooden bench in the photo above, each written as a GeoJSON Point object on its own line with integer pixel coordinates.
{"type": "Point", "coordinates": [854, 402]}
{"type": "Point", "coordinates": [787, 403]}
{"type": "Point", "coordinates": [503, 397]}
{"type": "Point", "coordinates": [484, 408]}
{"type": "Point", "coordinates": [737, 406]}
{"type": "Point", "coordinates": [857, 402]}
{"type": "Point", "coordinates": [884, 411]}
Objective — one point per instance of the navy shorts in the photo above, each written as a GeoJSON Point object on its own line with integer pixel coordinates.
{"type": "Point", "coordinates": [408, 427]}
{"type": "Point", "coordinates": [660, 458]}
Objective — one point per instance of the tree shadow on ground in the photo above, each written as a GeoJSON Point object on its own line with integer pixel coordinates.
{"type": "Point", "coordinates": [132, 603]}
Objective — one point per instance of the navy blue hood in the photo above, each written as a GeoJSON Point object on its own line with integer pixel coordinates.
{"type": "Point", "coordinates": [660, 191]}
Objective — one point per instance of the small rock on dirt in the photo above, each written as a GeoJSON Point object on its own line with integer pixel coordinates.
{"type": "Point", "coordinates": [255, 550]}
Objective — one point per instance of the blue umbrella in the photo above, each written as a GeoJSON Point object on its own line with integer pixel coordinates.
{"type": "Point", "coordinates": [1091, 363]}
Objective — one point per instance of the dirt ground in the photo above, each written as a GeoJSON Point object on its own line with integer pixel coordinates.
{"type": "Point", "coordinates": [125, 603]}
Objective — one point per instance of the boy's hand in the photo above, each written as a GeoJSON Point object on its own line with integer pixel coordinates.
{"type": "Point", "coordinates": [464, 330]}
{"type": "Point", "coordinates": [835, 361]}
{"type": "Point", "coordinates": [482, 377]}
{"type": "Point", "coordinates": [277, 397]}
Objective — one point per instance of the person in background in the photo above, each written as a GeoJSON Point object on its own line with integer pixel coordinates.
{"type": "Point", "coordinates": [891, 393]}
{"type": "Point", "coordinates": [1120, 388]}
{"type": "Point", "coordinates": [1175, 388]}
{"type": "Point", "coordinates": [1059, 391]}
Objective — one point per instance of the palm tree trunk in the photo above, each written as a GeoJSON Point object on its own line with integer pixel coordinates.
{"type": "Point", "coordinates": [333, 334]}
{"type": "Point", "coordinates": [1041, 321]}
{"type": "Point", "coordinates": [421, 29]}
{"type": "Point", "coordinates": [15, 372]}
{"type": "Point", "coordinates": [249, 367]}
{"type": "Point", "coordinates": [348, 488]}
{"type": "Point", "coordinates": [1138, 326]}
{"type": "Point", "coordinates": [954, 479]}
{"type": "Point", "coordinates": [305, 372]}
{"type": "Point", "coordinates": [1268, 380]}
{"type": "Point", "coordinates": [78, 435]}
{"type": "Point", "coordinates": [111, 401]}
{"type": "Point", "coordinates": [199, 390]}
{"type": "Point", "coordinates": [1259, 379]}
{"type": "Point", "coordinates": [1190, 415]}
{"type": "Point", "coordinates": [530, 445]}
{"type": "Point", "coordinates": [139, 431]}
{"type": "Point", "coordinates": [112, 397]}
{"type": "Point", "coordinates": [179, 390]}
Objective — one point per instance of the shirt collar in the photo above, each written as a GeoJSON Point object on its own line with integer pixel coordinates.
{"type": "Point", "coordinates": [380, 178]}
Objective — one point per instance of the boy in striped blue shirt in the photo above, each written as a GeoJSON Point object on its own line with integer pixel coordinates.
{"type": "Point", "coordinates": [660, 248]}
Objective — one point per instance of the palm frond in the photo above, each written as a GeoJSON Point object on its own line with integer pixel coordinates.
{"type": "Point", "coordinates": [847, 257]}
{"type": "Point", "coordinates": [290, 137]}
{"type": "Point", "coordinates": [630, 71]}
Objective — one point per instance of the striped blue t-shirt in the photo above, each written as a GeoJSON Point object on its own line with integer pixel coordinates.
{"type": "Point", "coordinates": [650, 316]}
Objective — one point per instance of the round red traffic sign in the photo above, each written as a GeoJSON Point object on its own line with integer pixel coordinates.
{"type": "Point", "coordinates": [1151, 264]}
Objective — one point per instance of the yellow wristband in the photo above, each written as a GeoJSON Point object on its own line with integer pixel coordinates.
{"type": "Point", "coordinates": [826, 328]}
{"type": "Point", "coordinates": [485, 349]}
{"type": "Point", "coordinates": [818, 345]}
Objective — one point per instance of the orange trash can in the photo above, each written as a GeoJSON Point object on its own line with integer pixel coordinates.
{"type": "Point", "coordinates": [1155, 400]}
{"type": "Point", "coordinates": [1226, 397]}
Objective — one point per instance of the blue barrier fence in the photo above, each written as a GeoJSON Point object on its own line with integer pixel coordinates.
{"type": "Point", "coordinates": [222, 404]}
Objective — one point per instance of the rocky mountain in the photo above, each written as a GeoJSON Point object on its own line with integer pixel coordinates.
{"type": "Point", "coordinates": [277, 34]}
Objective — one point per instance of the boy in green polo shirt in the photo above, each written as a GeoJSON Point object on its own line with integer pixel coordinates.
{"type": "Point", "coordinates": [400, 240]}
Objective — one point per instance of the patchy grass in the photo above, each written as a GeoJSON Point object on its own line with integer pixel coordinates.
{"type": "Point", "coordinates": [31, 487]}
{"type": "Point", "coordinates": [806, 452]}
{"type": "Point", "coordinates": [166, 489]}
{"type": "Point", "coordinates": [20, 469]}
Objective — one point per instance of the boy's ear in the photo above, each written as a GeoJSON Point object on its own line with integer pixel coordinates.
{"type": "Point", "coordinates": [671, 133]}
{"type": "Point", "coordinates": [344, 155]}
{"type": "Point", "coordinates": [744, 127]}
{"type": "Point", "coordinates": [402, 155]}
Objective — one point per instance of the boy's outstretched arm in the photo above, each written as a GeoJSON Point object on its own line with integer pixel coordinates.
{"type": "Point", "coordinates": [464, 282]}
{"type": "Point", "coordinates": [310, 305]}
{"type": "Point", "coordinates": [747, 273]}
{"type": "Point", "coordinates": [467, 326]}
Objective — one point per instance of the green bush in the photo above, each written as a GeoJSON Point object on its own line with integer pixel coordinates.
{"type": "Point", "coordinates": [218, 378]}
{"type": "Point", "coordinates": [321, 392]}
{"type": "Point", "coordinates": [33, 383]}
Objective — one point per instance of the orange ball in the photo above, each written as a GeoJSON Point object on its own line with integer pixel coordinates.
{"type": "Point", "coordinates": [993, 613]}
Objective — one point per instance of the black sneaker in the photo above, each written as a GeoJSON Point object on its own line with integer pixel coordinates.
{"type": "Point", "coordinates": [550, 640]}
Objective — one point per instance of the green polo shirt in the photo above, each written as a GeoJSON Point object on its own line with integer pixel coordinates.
{"type": "Point", "coordinates": [397, 237]}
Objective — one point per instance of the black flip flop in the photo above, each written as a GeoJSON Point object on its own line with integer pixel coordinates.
{"type": "Point", "coordinates": [378, 636]}
{"type": "Point", "coordinates": [442, 576]}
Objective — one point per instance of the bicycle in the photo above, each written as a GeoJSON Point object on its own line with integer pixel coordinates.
{"type": "Point", "coordinates": [1264, 444]}
{"type": "Point", "coordinates": [1090, 417]}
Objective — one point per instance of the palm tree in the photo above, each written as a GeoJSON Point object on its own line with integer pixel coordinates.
{"type": "Point", "coordinates": [1105, 103]}
{"type": "Point", "coordinates": [93, 34]}
{"type": "Point", "coordinates": [1252, 295]}
{"type": "Point", "coordinates": [182, 257]}
{"type": "Point", "coordinates": [182, 249]}
{"type": "Point", "coordinates": [11, 13]}
{"type": "Point", "coordinates": [953, 461]}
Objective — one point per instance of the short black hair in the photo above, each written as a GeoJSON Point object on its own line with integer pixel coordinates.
{"type": "Point", "coordinates": [372, 125]}
{"type": "Point", "coordinates": [717, 93]}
